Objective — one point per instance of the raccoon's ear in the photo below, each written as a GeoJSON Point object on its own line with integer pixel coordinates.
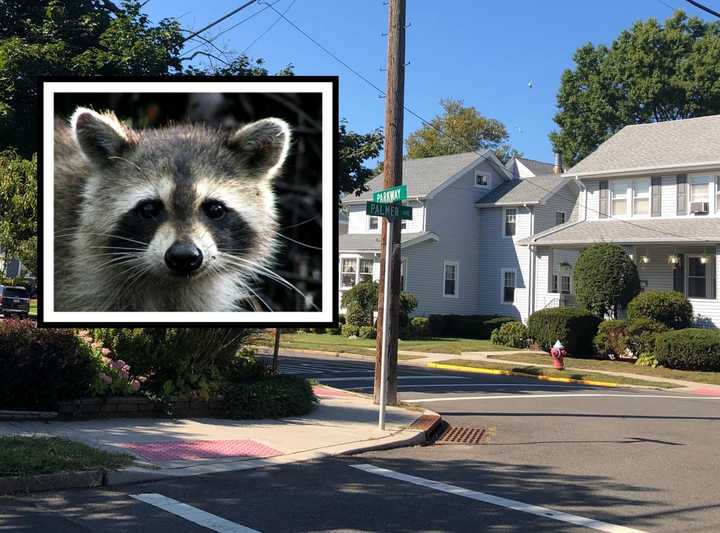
{"type": "Point", "coordinates": [262, 145]}
{"type": "Point", "coordinates": [100, 136]}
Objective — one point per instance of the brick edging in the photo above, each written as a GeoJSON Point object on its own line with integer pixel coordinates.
{"type": "Point", "coordinates": [47, 482]}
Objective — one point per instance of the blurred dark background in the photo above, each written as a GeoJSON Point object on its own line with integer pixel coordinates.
{"type": "Point", "coordinates": [298, 187]}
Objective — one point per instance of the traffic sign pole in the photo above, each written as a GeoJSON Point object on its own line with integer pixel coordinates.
{"type": "Point", "coordinates": [385, 330]}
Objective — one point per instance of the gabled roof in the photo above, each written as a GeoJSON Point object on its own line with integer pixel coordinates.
{"type": "Point", "coordinates": [657, 146]}
{"type": "Point", "coordinates": [538, 168]}
{"type": "Point", "coordinates": [527, 191]}
{"type": "Point", "coordinates": [636, 231]}
{"type": "Point", "coordinates": [428, 175]}
{"type": "Point", "coordinates": [370, 242]}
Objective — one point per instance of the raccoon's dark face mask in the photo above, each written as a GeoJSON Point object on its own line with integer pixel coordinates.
{"type": "Point", "coordinates": [184, 201]}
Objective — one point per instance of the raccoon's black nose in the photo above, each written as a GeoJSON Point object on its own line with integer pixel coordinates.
{"type": "Point", "coordinates": [183, 258]}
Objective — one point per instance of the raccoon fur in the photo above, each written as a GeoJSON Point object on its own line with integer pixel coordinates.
{"type": "Point", "coordinates": [180, 218]}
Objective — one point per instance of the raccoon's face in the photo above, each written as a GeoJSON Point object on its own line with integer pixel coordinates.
{"type": "Point", "coordinates": [183, 202]}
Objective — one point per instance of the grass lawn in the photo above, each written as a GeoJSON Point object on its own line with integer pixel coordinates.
{"type": "Point", "coordinates": [33, 307]}
{"type": "Point", "coordinates": [338, 343]}
{"type": "Point", "coordinates": [712, 378]}
{"type": "Point", "coordinates": [551, 372]}
{"type": "Point", "coordinates": [27, 456]}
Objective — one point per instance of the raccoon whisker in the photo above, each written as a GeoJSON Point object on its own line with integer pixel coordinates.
{"type": "Point", "coordinates": [128, 162]}
{"type": "Point", "coordinates": [247, 287]}
{"type": "Point", "coordinates": [297, 242]}
{"type": "Point", "coordinates": [301, 223]}
{"type": "Point", "coordinates": [108, 235]}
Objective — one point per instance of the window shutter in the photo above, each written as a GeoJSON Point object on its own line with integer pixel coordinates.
{"type": "Point", "coordinates": [679, 275]}
{"type": "Point", "coordinates": [656, 196]}
{"type": "Point", "coordinates": [603, 188]}
{"type": "Point", "coordinates": [682, 188]}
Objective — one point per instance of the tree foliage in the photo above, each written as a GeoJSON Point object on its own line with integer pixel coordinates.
{"type": "Point", "coordinates": [465, 130]}
{"type": "Point", "coordinates": [606, 279]}
{"type": "Point", "coordinates": [353, 150]}
{"type": "Point", "coordinates": [18, 208]}
{"type": "Point", "coordinates": [651, 72]}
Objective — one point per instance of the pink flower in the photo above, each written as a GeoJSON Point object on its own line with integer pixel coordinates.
{"type": "Point", "coordinates": [106, 360]}
{"type": "Point", "coordinates": [135, 385]}
{"type": "Point", "coordinates": [124, 374]}
{"type": "Point", "coordinates": [106, 351]}
{"type": "Point", "coordinates": [97, 345]}
{"type": "Point", "coordinates": [105, 378]}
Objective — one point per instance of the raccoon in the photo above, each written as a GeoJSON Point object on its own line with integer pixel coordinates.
{"type": "Point", "coordinates": [180, 218]}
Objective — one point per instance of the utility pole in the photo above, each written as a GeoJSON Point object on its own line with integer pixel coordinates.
{"type": "Point", "coordinates": [393, 176]}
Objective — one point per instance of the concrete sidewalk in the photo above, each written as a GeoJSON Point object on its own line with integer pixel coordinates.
{"type": "Point", "coordinates": [342, 423]}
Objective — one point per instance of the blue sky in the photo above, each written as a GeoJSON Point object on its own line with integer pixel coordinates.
{"type": "Point", "coordinates": [484, 53]}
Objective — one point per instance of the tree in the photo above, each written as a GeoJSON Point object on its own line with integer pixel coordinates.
{"type": "Point", "coordinates": [651, 72]}
{"type": "Point", "coordinates": [606, 279]}
{"type": "Point", "coordinates": [18, 208]}
{"type": "Point", "coordinates": [463, 129]}
{"type": "Point", "coordinates": [353, 150]}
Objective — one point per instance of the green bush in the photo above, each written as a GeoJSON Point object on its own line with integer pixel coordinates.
{"type": "Point", "coordinates": [606, 279]}
{"type": "Point", "coordinates": [338, 329]}
{"type": "Point", "coordinates": [667, 307]}
{"type": "Point", "coordinates": [268, 397]}
{"type": "Point", "coordinates": [575, 328]}
{"type": "Point", "coordinates": [360, 302]}
{"type": "Point", "coordinates": [611, 337]}
{"type": "Point", "coordinates": [408, 303]}
{"type": "Point", "coordinates": [641, 335]}
{"type": "Point", "coordinates": [420, 326]}
{"type": "Point", "coordinates": [367, 332]}
{"type": "Point", "coordinates": [466, 326]}
{"type": "Point", "coordinates": [350, 330]}
{"type": "Point", "coordinates": [245, 368]}
{"type": "Point", "coordinates": [647, 359]}
{"type": "Point", "coordinates": [514, 334]}
{"type": "Point", "coordinates": [689, 349]}
{"type": "Point", "coordinates": [41, 367]}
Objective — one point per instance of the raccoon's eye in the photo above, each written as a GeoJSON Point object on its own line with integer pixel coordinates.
{"type": "Point", "coordinates": [149, 208]}
{"type": "Point", "coordinates": [214, 210]}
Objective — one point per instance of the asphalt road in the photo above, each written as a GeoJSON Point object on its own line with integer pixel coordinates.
{"type": "Point", "coordinates": [554, 457]}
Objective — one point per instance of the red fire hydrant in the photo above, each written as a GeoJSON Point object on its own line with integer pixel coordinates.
{"type": "Point", "coordinates": [558, 351]}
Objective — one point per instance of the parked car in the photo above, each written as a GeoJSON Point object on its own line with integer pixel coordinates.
{"type": "Point", "coordinates": [14, 302]}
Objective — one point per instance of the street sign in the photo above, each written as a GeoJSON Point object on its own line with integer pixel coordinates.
{"type": "Point", "coordinates": [390, 211]}
{"type": "Point", "coordinates": [391, 195]}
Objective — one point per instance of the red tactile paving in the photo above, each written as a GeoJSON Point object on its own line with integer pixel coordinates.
{"type": "Point", "coordinates": [328, 392]}
{"type": "Point", "coordinates": [707, 391]}
{"type": "Point", "coordinates": [199, 449]}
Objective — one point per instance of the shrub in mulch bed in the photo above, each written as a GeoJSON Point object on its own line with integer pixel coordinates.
{"type": "Point", "coordinates": [689, 349]}
{"type": "Point", "coordinates": [268, 397]}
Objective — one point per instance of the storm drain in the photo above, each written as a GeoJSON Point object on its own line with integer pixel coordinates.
{"type": "Point", "coordinates": [460, 435]}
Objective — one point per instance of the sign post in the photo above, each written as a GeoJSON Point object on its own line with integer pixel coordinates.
{"type": "Point", "coordinates": [386, 203]}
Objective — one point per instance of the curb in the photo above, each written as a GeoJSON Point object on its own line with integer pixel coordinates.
{"type": "Point", "coordinates": [501, 372]}
{"type": "Point", "coordinates": [46, 482]}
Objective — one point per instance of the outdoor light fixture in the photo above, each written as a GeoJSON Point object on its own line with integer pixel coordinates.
{"type": "Point", "coordinates": [644, 259]}
{"type": "Point", "coordinates": [703, 259]}
{"type": "Point", "coordinates": [673, 259]}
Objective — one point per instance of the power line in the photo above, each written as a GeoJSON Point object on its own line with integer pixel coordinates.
{"type": "Point", "coordinates": [263, 34]}
{"type": "Point", "coordinates": [704, 8]}
{"type": "Point", "coordinates": [458, 141]}
{"type": "Point", "coordinates": [218, 21]}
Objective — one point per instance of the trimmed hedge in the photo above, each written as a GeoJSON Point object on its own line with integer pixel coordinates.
{"type": "Point", "coordinates": [41, 367]}
{"type": "Point", "coordinates": [611, 337]}
{"type": "Point", "coordinates": [513, 334]}
{"type": "Point", "coordinates": [642, 334]}
{"type": "Point", "coordinates": [420, 327]}
{"type": "Point", "coordinates": [667, 307]}
{"type": "Point", "coordinates": [689, 349]}
{"type": "Point", "coordinates": [575, 328]}
{"type": "Point", "coordinates": [269, 397]}
{"type": "Point", "coordinates": [466, 326]}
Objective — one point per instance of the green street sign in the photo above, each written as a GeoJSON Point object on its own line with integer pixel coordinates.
{"type": "Point", "coordinates": [390, 211]}
{"type": "Point", "coordinates": [391, 195]}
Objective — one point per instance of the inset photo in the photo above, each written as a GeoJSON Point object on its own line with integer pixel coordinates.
{"type": "Point", "coordinates": [183, 201]}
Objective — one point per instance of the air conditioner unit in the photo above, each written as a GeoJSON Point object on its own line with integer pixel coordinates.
{"type": "Point", "coordinates": [699, 208]}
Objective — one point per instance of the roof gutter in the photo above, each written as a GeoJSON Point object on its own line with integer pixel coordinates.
{"type": "Point", "coordinates": [646, 170]}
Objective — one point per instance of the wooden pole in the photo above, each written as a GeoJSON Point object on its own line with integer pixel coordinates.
{"type": "Point", "coordinates": [276, 351]}
{"type": "Point", "coordinates": [393, 176]}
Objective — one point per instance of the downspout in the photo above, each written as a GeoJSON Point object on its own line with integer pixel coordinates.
{"type": "Point", "coordinates": [531, 264]}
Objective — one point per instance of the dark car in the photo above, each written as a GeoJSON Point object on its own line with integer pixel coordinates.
{"type": "Point", "coordinates": [14, 302]}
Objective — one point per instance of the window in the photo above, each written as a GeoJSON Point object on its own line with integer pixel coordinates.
{"type": "Point", "coordinates": [559, 217]}
{"type": "Point", "coordinates": [554, 283]}
{"type": "Point", "coordinates": [403, 274]}
{"type": "Point", "coordinates": [717, 194]}
{"type": "Point", "coordinates": [565, 284]}
{"type": "Point", "coordinates": [348, 271]}
{"type": "Point", "coordinates": [450, 279]}
{"type": "Point", "coordinates": [618, 192]}
{"type": "Point", "coordinates": [699, 193]}
{"type": "Point", "coordinates": [509, 216]}
{"type": "Point", "coordinates": [366, 268]}
{"type": "Point", "coordinates": [372, 222]}
{"type": "Point", "coordinates": [508, 286]}
{"type": "Point", "coordinates": [700, 279]}
{"type": "Point", "coordinates": [403, 224]}
{"type": "Point", "coordinates": [481, 180]}
{"type": "Point", "coordinates": [641, 197]}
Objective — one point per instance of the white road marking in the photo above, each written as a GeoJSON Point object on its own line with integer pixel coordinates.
{"type": "Point", "coordinates": [469, 385]}
{"type": "Point", "coordinates": [534, 396]}
{"type": "Point", "coordinates": [515, 505]}
{"type": "Point", "coordinates": [193, 514]}
{"type": "Point", "coordinates": [371, 378]}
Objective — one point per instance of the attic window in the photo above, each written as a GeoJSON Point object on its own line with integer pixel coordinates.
{"type": "Point", "coordinates": [481, 179]}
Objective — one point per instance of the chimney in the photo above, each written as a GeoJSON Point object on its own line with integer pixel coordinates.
{"type": "Point", "coordinates": [558, 169]}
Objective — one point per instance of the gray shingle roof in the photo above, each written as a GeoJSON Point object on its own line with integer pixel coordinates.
{"type": "Point", "coordinates": [422, 175]}
{"type": "Point", "coordinates": [653, 230]}
{"type": "Point", "coordinates": [537, 167]}
{"type": "Point", "coordinates": [656, 145]}
{"type": "Point", "coordinates": [360, 242]}
{"type": "Point", "coordinates": [524, 191]}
